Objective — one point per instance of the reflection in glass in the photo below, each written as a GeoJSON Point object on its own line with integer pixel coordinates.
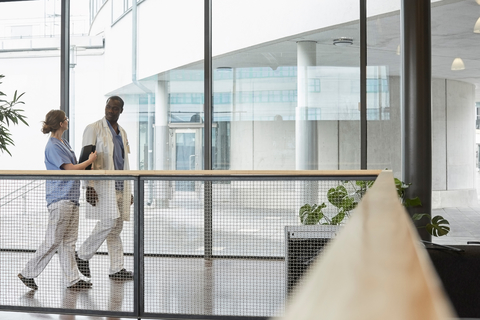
{"type": "Point", "coordinates": [292, 102]}
{"type": "Point", "coordinates": [383, 90]}
{"type": "Point", "coordinates": [30, 61]}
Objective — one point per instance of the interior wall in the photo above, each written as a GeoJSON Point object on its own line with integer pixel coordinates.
{"type": "Point", "coordinates": [262, 145]}
{"type": "Point", "coordinates": [384, 149]}
{"type": "Point", "coordinates": [270, 145]}
{"type": "Point", "coordinates": [328, 145]}
{"type": "Point", "coordinates": [460, 135]}
{"type": "Point", "coordinates": [439, 137]}
{"type": "Point", "coordinates": [349, 145]}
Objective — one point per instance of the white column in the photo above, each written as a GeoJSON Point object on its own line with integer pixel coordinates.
{"type": "Point", "coordinates": [162, 155]}
{"type": "Point", "coordinates": [306, 146]}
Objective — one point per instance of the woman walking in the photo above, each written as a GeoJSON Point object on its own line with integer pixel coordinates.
{"type": "Point", "coordinates": [62, 202]}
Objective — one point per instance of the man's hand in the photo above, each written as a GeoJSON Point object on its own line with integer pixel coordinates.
{"type": "Point", "coordinates": [91, 196]}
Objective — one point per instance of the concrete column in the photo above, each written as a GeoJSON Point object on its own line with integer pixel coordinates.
{"type": "Point", "coordinates": [416, 103]}
{"type": "Point", "coordinates": [306, 146]}
{"type": "Point", "coordinates": [162, 155]}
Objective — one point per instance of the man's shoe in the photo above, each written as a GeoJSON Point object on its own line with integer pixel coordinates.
{"type": "Point", "coordinates": [81, 284]}
{"type": "Point", "coordinates": [83, 266]}
{"type": "Point", "coordinates": [122, 275]}
{"type": "Point", "coordinates": [29, 282]}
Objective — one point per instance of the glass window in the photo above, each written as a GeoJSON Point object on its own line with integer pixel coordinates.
{"type": "Point", "coordinates": [383, 88]}
{"type": "Point", "coordinates": [87, 100]}
{"type": "Point", "coordinates": [455, 92]}
{"type": "Point", "coordinates": [29, 55]}
{"type": "Point", "coordinates": [299, 76]}
{"type": "Point", "coordinates": [21, 31]}
{"type": "Point", "coordinates": [118, 8]}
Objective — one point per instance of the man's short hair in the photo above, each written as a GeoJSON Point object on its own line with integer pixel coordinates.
{"type": "Point", "coordinates": [116, 98]}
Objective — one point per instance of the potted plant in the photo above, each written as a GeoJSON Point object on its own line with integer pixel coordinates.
{"type": "Point", "coordinates": [9, 115]}
{"type": "Point", "coordinates": [340, 198]}
{"type": "Point", "coordinates": [320, 223]}
{"type": "Point", "coordinates": [437, 226]}
{"type": "Point", "coordinates": [345, 202]}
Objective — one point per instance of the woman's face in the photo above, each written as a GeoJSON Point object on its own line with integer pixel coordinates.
{"type": "Point", "coordinates": [64, 124]}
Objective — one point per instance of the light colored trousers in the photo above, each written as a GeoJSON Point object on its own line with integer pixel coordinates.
{"type": "Point", "coordinates": [61, 235]}
{"type": "Point", "coordinates": [108, 230]}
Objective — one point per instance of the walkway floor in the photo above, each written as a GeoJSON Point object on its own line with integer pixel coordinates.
{"type": "Point", "coordinates": [464, 222]}
{"type": "Point", "coordinates": [36, 316]}
{"type": "Point", "coordinates": [464, 225]}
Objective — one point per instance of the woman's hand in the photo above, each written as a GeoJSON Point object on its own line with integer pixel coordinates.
{"type": "Point", "coordinates": [92, 157]}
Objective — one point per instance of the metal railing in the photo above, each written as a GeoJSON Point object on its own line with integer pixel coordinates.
{"type": "Point", "coordinates": [210, 245]}
{"type": "Point", "coordinates": [19, 192]}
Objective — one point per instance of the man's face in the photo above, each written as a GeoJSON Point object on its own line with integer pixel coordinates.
{"type": "Point", "coordinates": [113, 110]}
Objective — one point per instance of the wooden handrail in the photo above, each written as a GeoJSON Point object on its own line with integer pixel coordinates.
{"type": "Point", "coordinates": [223, 173]}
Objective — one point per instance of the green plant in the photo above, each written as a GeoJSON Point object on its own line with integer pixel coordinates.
{"type": "Point", "coordinates": [9, 115]}
{"type": "Point", "coordinates": [345, 201]}
{"type": "Point", "coordinates": [310, 215]}
{"type": "Point", "coordinates": [437, 226]}
{"type": "Point", "coordinates": [338, 197]}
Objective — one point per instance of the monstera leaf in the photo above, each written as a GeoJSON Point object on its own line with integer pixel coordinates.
{"type": "Point", "coordinates": [339, 198]}
{"type": "Point", "coordinates": [438, 226]}
{"type": "Point", "coordinates": [311, 215]}
{"type": "Point", "coordinates": [337, 218]}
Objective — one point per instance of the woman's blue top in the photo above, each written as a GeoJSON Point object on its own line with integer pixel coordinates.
{"type": "Point", "coordinates": [57, 154]}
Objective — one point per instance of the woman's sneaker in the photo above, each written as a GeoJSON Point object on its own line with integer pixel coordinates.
{"type": "Point", "coordinates": [122, 275]}
{"type": "Point", "coordinates": [81, 284]}
{"type": "Point", "coordinates": [83, 266]}
{"type": "Point", "coordinates": [29, 282]}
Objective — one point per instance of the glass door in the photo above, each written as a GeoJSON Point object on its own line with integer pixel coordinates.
{"type": "Point", "coordinates": [187, 153]}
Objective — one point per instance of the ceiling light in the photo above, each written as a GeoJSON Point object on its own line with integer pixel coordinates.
{"type": "Point", "coordinates": [458, 64]}
{"type": "Point", "coordinates": [476, 28]}
{"type": "Point", "coordinates": [343, 41]}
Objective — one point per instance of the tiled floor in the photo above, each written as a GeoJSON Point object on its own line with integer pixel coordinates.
{"type": "Point", "coordinates": [464, 222]}
{"type": "Point", "coordinates": [189, 286]}
{"type": "Point", "coordinates": [464, 225]}
{"type": "Point", "coordinates": [4, 315]}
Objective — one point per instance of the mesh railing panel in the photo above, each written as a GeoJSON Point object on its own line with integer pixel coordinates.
{"type": "Point", "coordinates": [246, 275]}
{"type": "Point", "coordinates": [40, 242]}
{"type": "Point", "coordinates": [230, 251]}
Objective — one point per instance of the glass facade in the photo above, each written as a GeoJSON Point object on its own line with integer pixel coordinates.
{"type": "Point", "coordinates": [287, 88]}
{"type": "Point", "coordinates": [257, 108]}
{"type": "Point", "coordinates": [291, 102]}
{"type": "Point", "coordinates": [29, 58]}
{"type": "Point", "coordinates": [454, 93]}
{"type": "Point", "coordinates": [286, 85]}
{"type": "Point", "coordinates": [383, 89]}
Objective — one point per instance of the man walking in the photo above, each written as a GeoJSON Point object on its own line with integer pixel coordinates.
{"type": "Point", "coordinates": [110, 200]}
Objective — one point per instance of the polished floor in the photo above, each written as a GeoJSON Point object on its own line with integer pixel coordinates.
{"type": "Point", "coordinates": [189, 286]}
{"type": "Point", "coordinates": [4, 315]}
{"type": "Point", "coordinates": [464, 225]}
{"type": "Point", "coordinates": [464, 222]}
{"type": "Point", "coordinates": [176, 286]}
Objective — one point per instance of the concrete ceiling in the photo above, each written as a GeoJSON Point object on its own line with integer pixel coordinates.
{"type": "Point", "coordinates": [452, 36]}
